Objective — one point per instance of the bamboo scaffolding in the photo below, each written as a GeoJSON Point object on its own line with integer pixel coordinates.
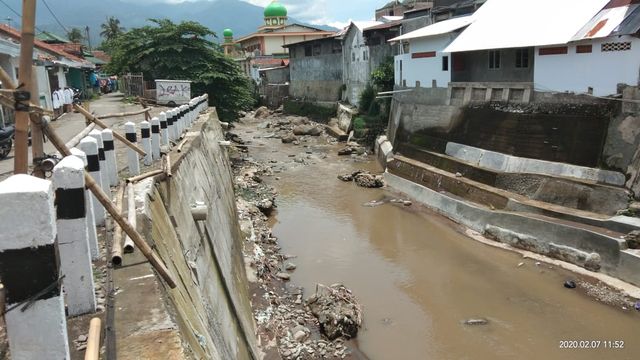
{"type": "Point", "coordinates": [124, 114]}
{"type": "Point", "coordinates": [135, 179]}
{"type": "Point", "coordinates": [93, 340]}
{"type": "Point", "coordinates": [21, 146]}
{"type": "Point", "coordinates": [116, 248]}
{"type": "Point", "coordinates": [90, 117]}
{"type": "Point", "coordinates": [129, 246]}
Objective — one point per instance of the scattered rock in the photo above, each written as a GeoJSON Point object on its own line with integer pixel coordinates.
{"type": "Point", "coordinates": [633, 239]}
{"type": "Point", "coordinates": [458, 174]}
{"type": "Point", "coordinates": [300, 333]}
{"type": "Point", "coordinates": [570, 284]}
{"type": "Point", "coordinates": [345, 151]}
{"type": "Point", "coordinates": [290, 266]}
{"type": "Point", "coordinates": [346, 177]}
{"type": "Point", "coordinates": [82, 338]}
{"type": "Point", "coordinates": [262, 112]}
{"type": "Point", "coordinates": [284, 276]}
{"type": "Point", "coordinates": [81, 347]}
{"type": "Point", "coordinates": [367, 180]}
{"type": "Point", "coordinates": [265, 206]}
{"type": "Point", "coordinates": [476, 322]}
{"type": "Point", "coordinates": [407, 203]}
{"type": "Point", "coordinates": [289, 138]}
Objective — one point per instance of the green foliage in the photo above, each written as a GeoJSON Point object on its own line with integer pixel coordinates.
{"type": "Point", "coordinates": [167, 50]}
{"type": "Point", "coordinates": [383, 76]}
{"type": "Point", "coordinates": [359, 123]}
{"type": "Point", "coordinates": [301, 108]}
{"type": "Point", "coordinates": [75, 35]}
{"type": "Point", "coordinates": [111, 29]}
{"type": "Point", "coordinates": [367, 98]}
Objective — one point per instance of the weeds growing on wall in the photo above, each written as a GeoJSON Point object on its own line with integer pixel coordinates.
{"type": "Point", "coordinates": [375, 112]}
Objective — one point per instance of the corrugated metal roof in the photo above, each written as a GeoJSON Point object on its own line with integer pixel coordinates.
{"type": "Point", "coordinates": [609, 20]}
{"type": "Point", "coordinates": [439, 28]}
{"type": "Point", "coordinates": [503, 24]}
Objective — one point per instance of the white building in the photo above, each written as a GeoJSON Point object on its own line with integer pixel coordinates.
{"type": "Point", "coordinates": [423, 62]}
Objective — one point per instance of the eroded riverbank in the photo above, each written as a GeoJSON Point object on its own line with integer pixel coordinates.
{"type": "Point", "coordinates": [417, 276]}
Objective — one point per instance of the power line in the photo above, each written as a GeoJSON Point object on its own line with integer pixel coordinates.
{"type": "Point", "coordinates": [55, 17]}
{"type": "Point", "coordinates": [15, 12]}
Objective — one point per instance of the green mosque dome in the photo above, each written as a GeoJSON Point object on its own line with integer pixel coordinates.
{"type": "Point", "coordinates": [227, 33]}
{"type": "Point", "coordinates": [275, 9]}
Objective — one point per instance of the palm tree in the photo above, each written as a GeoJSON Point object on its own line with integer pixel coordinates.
{"type": "Point", "coordinates": [111, 29]}
{"type": "Point", "coordinates": [75, 35]}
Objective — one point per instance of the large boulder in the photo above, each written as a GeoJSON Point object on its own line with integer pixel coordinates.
{"type": "Point", "coordinates": [262, 112]}
{"type": "Point", "coordinates": [633, 239]}
{"type": "Point", "coordinates": [337, 311]}
{"type": "Point", "coordinates": [288, 138]}
{"type": "Point", "coordinates": [307, 130]}
{"type": "Point", "coordinates": [368, 180]}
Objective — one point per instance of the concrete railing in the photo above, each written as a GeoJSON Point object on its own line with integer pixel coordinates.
{"type": "Point", "coordinates": [463, 93]}
{"type": "Point", "coordinates": [49, 237]}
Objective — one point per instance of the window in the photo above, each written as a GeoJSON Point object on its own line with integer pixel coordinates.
{"type": "Point", "coordinates": [317, 50]}
{"type": "Point", "coordinates": [405, 48]}
{"type": "Point", "coordinates": [365, 54]}
{"type": "Point", "coordinates": [353, 57]}
{"type": "Point", "coordinates": [336, 48]}
{"type": "Point", "coordinates": [445, 63]}
{"type": "Point", "coordinates": [308, 50]}
{"type": "Point", "coordinates": [558, 50]}
{"type": "Point", "coordinates": [522, 58]}
{"type": "Point", "coordinates": [494, 59]}
{"type": "Point", "coordinates": [584, 49]}
{"type": "Point", "coordinates": [617, 46]}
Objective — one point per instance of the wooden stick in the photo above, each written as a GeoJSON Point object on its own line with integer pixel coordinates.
{"type": "Point", "coordinates": [135, 179]}
{"type": "Point", "coordinates": [37, 139]}
{"type": "Point", "coordinates": [147, 116]}
{"type": "Point", "coordinates": [132, 215]}
{"type": "Point", "coordinates": [124, 114]}
{"type": "Point", "coordinates": [181, 145]}
{"type": "Point", "coordinates": [116, 249]}
{"type": "Point", "coordinates": [90, 117]}
{"type": "Point", "coordinates": [21, 146]}
{"type": "Point", "coordinates": [168, 165]}
{"type": "Point", "coordinates": [106, 202]}
{"type": "Point", "coordinates": [93, 340]}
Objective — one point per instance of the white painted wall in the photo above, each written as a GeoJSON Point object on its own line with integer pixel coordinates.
{"type": "Point", "coordinates": [577, 72]}
{"type": "Point", "coordinates": [424, 70]}
{"type": "Point", "coordinates": [44, 87]}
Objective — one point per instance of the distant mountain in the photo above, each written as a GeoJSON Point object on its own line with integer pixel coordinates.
{"type": "Point", "coordinates": [243, 18]}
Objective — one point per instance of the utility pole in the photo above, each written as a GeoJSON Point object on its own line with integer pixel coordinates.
{"type": "Point", "coordinates": [86, 29]}
{"type": "Point", "coordinates": [37, 138]}
{"type": "Point", "coordinates": [21, 159]}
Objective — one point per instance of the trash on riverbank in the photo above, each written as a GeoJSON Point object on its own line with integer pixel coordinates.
{"type": "Point", "coordinates": [363, 179]}
{"type": "Point", "coordinates": [475, 322]}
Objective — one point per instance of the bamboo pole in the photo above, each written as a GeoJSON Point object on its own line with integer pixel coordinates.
{"type": "Point", "coordinates": [147, 116]}
{"type": "Point", "coordinates": [124, 114]}
{"type": "Point", "coordinates": [168, 165]}
{"type": "Point", "coordinates": [37, 140]}
{"type": "Point", "coordinates": [181, 145]}
{"type": "Point", "coordinates": [135, 179]}
{"type": "Point", "coordinates": [90, 117]}
{"type": "Point", "coordinates": [93, 340]}
{"type": "Point", "coordinates": [129, 246]}
{"type": "Point", "coordinates": [106, 202]}
{"type": "Point", "coordinates": [116, 248]}
{"type": "Point", "coordinates": [21, 151]}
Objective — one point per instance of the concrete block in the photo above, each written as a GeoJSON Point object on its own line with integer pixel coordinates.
{"type": "Point", "coordinates": [133, 159]}
{"type": "Point", "coordinates": [145, 131]}
{"type": "Point", "coordinates": [73, 238]}
{"type": "Point", "coordinates": [110, 155]}
{"type": "Point", "coordinates": [91, 220]}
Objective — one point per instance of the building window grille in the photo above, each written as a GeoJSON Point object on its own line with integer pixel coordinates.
{"type": "Point", "coordinates": [584, 49]}
{"type": "Point", "coordinates": [353, 57]}
{"type": "Point", "coordinates": [522, 58]}
{"type": "Point", "coordinates": [617, 46]}
{"type": "Point", "coordinates": [494, 59]}
{"type": "Point", "coordinates": [445, 63]}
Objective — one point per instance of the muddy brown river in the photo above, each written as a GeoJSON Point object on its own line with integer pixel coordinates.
{"type": "Point", "coordinates": [419, 278]}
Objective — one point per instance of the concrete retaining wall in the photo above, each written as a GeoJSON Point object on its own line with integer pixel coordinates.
{"type": "Point", "coordinates": [211, 301]}
{"type": "Point", "coordinates": [512, 164]}
{"type": "Point", "coordinates": [544, 234]}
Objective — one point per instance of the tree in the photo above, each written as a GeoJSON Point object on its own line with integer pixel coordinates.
{"type": "Point", "coordinates": [75, 35]}
{"type": "Point", "coordinates": [167, 50]}
{"type": "Point", "coordinates": [111, 29]}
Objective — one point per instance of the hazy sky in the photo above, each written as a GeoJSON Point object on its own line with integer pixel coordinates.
{"type": "Point", "coordinates": [336, 13]}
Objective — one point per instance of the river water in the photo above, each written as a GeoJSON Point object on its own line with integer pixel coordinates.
{"type": "Point", "coordinates": [418, 277]}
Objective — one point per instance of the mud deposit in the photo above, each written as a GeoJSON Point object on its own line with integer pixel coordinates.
{"type": "Point", "coordinates": [426, 290]}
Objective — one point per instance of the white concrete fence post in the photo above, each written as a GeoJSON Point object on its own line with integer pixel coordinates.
{"type": "Point", "coordinates": [155, 138]}
{"type": "Point", "coordinates": [110, 154]}
{"type": "Point", "coordinates": [206, 102]}
{"type": "Point", "coordinates": [73, 238]}
{"type": "Point", "coordinates": [35, 318]}
{"type": "Point", "coordinates": [132, 156]}
{"type": "Point", "coordinates": [173, 125]}
{"type": "Point", "coordinates": [89, 146]}
{"type": "Point", "coordinates": [164, 131]}
{"type": "Point", "coordinates": [88, 199]}
{"type": "Point", "coordinates": [145, 134]}
{"type": "Point", "coordinates": [97, 134]}
{"type": "Point", "coordinates": [180, 118]}
{"type": "Point", "coordinates": [192, 111]}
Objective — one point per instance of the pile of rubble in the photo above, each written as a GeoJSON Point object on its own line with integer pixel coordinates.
{"type": "Point", "coordinates": [364, 179]}
{"type": "Point", "coordinates": [337, 310]}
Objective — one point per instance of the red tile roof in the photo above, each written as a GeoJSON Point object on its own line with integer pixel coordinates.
{"type": "Point", "coordinates": [16, 35]}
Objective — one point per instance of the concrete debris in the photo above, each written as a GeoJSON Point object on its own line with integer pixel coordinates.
{"type": "Point", "coordinates": [364, 179]}
{"type": "Point", "coordinates": [288, 138]}
{"type": "Point", "coordinates": [283, 276]}
{"type": "Point", "coordinates": [266, 206]}
{"type": "Point", "coordinates": [290, 266]}
{"type": "Point", "coordinates": [633, 239]}
{"type": "Point", "coordinates": [307, 130]}
{"type": "Point", "coordinates": [337, 310]}
{"type": "Point", "coordinates": [476, 322]}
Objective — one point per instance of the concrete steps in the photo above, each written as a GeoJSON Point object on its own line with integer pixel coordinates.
{"type": "Point", "coordinates": [568, 192]}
